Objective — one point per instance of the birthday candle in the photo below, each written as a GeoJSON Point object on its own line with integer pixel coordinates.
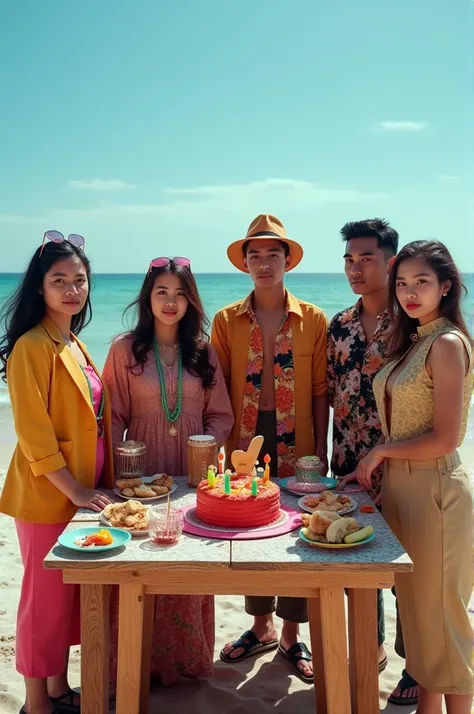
{"type": "Point", "coordinates": [260, 472]}
{"type": "Point", "coordinates": [221, 457]}
{"type": "Point", "coordinates": [227, 484]}
{"type": "Point", "coordinates": [266, 473]}
{"type": "Point", "coordinates": [211, 479]}
{"type": "Point", "coordinates": [254, 490]}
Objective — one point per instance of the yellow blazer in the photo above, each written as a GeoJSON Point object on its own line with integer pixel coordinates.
{"type": "Point", "coordinates": [55, 425]}
{"type": "Point", "coordinates": [230, 336]}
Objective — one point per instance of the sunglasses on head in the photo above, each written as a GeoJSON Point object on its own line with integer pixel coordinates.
{"type": "Point", "coordinates": [57, 237]}
{"type": "Point", "coordinates": [163, 262]}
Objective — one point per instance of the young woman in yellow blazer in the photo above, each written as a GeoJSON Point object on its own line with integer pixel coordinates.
{"type": "Point", "coordinates": [62, 419]}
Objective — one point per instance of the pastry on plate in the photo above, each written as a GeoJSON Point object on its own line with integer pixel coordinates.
{"type": "Point", "coordinates": [128, 483]}
{"type": "Point", "coordinates": [128, 492]}
{"type": "Point", "coordinates": [144, 491]}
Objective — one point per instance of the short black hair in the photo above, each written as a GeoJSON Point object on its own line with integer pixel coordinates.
{"type": "Point", "coordinates": [379, 228]}
{"type": "Point", "coordinates": [284, 245]}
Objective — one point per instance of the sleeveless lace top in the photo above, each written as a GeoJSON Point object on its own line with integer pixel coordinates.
{"type": "Point", "coordinates": [413, 394]}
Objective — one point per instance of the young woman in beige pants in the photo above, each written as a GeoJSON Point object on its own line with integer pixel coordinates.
{"type": "Point", "coordinates": [423, 398]}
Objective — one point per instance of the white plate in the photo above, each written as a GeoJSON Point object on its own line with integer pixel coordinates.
{"type": "Point", "coordinates": [348, 509]}
{"type": "Point", "coordinates": [145, 500]}
{"type": "Point", "coordinates": [133, 533]}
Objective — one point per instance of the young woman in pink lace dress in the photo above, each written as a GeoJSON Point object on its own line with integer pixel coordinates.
{"type": "Point", "coordinates": [166, 384]}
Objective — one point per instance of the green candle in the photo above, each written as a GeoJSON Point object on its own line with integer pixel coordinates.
{"type": "Point", "coordinates": [254, 487]}
{"type": "Point", "coordinates": [227, 484]}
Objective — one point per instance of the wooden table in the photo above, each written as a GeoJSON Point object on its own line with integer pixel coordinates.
{"type": "Point", "coordinates": [276, 566]}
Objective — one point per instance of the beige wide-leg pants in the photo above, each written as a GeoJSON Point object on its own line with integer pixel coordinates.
{"type": "Point", "coordinates": [428, 505]}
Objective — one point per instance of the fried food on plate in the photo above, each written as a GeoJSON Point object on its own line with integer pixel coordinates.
{"type": "Point", "coordinates": [159, 490]}
{"type": "Point", "coordinates": [144, 491]}
{"type": "Point", "coordinates": [319, 521]}
{"type": "Point", "coordinates": [128, 492]}
{"type": "Point", "coordinates": [131, 515]}
{"type": "Point", "coordinates": [128, 483]}
{"type": "Point", "coordinates": [338, 530]}
{"type": "Point", "coordinates": [327, 501]}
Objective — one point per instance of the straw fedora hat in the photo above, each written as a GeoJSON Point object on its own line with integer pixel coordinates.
{"type": "Point", "coordinates": [264, 227]}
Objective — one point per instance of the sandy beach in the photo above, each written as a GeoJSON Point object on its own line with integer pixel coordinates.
{"type": "Point", "coordinates": [263, 684]}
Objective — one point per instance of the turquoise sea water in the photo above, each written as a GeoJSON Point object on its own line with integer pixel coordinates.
{"type": "Point", "coordinates": [112, 293]}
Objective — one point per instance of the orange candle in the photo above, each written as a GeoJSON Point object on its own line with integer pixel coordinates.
{"type": "Point", "coordinates": [220, 458]}
{"type": "Point", "coordinates": [266, 473]}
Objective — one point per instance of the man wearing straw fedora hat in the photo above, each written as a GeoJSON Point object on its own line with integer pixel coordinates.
{"type": "Point", "coordinates": [272, 349]}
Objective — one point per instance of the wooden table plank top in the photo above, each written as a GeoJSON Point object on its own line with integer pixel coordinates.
{"type": "Point", "coordinates": [286, 552]}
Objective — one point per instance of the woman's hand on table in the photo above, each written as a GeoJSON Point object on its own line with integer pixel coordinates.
{"type": "Point", "coordinates": [90, 498]}
{"type": "Point", "coordinates": [367, 466]}
{"type": "Point", "coordinates": [342, 483]}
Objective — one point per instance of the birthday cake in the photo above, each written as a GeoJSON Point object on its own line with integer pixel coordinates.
{"type": "Point", "coordinates": [240, 499]}
{"type": "Point", "coordinates": [239, 508]}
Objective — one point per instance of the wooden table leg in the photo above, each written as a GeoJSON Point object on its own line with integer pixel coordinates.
{"type": "Point", "coordinates": [131, 611]}
{"type": "Point", "coordinates": [314, 615]}
{"type": "Point", "coordinates": [147, 645]}
{"type": "Point", "coordinates": [334, 641]}
{"type": "Point", "coordinates": [363, 650]}
{"type": "Point", "coordinates": [95, 649]}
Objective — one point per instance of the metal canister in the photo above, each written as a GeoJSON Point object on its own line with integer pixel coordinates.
{"type": "Point", "coordinates": [202, 453]}
{"type": "Point", "coordinates": [130, 459]}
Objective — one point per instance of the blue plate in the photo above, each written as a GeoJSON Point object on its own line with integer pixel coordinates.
{"type": "Point", "coordinates": [329, 483]}
{"type": "Point", "coordinates": [67, 539]}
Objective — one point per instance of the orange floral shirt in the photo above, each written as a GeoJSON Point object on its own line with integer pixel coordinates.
{"type": "Point", "coordinates": [284, 374]}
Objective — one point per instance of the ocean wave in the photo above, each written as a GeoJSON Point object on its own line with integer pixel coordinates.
{"type": "Point", "coordinates": [4, 398]}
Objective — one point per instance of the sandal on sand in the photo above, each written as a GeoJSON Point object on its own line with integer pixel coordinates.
{"type": "Point", "coordinates": [251, 646]}
{"type": "Point", "coordinates": [405, 683]}
{"type": "Point", "coordinates": [297, 653]}
{"type": "Point", "coordinates": [65, 703]}
{"type": "Point", "coordinates": [383, 664]}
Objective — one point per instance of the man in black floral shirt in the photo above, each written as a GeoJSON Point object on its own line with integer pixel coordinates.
{"type": "Point", "coordinates": [357, 347]}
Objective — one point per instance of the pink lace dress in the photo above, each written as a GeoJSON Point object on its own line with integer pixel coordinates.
{"type": "Point", "coordinates": [184, 625]}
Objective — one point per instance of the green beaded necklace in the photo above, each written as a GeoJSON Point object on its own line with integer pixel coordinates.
{"type": "Point", "coordinates": [100, 412]}
{"type": "Point", "coordinates": [172, 416]}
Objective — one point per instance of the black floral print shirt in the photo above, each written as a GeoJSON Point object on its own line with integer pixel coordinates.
{"type": "Point", "coordinates": [352, 364]}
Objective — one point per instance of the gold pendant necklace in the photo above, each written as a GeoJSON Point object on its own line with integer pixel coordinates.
{"type": "Point", "coordinates": [172, 431]}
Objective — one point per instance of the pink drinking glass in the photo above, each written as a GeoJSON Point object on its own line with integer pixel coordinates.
{"type": "Point", "coordinates": [165, 525]}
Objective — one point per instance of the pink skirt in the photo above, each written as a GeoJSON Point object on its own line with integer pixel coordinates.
{"type": "Point", "coordinates": [48, 620]}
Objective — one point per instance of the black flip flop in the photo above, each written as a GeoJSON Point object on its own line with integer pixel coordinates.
{"type": "Point", "coordinates": [65, 703]}
{"type": "Point", "coordinates": [405, 683]}
{"type": "Point", "coordinates": [294, 654]}
{"type": "Point", "coordinates": [251, 646]}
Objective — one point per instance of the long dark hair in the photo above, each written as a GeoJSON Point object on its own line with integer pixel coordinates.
{"type": "Point", "coordinates": [25, 308]}
{"type": "Point", "coordinates": [439, 259]}
{"type": "Point", "coordinates": [192, 331]}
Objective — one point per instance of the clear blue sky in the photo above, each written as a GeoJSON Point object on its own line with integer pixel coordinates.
{"type": "Point", "coordinates": [157, 127]}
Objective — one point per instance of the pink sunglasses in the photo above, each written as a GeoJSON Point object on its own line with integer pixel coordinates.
{"type": "Point", "coordinates": [57, 237]}
{"type": "Point", "coordinates": [162, 262]}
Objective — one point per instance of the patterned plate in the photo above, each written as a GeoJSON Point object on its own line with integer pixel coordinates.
{"type": "Point", "coordinates": [327, 483]}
